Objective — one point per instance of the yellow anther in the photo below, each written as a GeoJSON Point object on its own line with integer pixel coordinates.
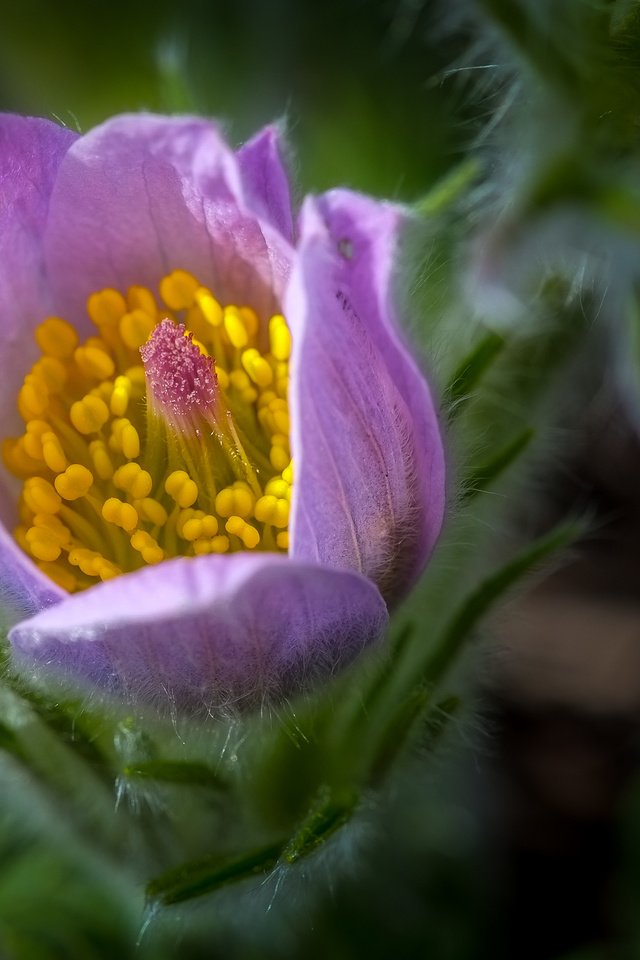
{"type": "Point", "coordinates": [94, 362]}
{"type": "Point", "coordinates": [241, 382]}
{"type": "Point", "coordinates": [251, 321]}
{"type": "Point", "coordinates": [105, 308]}
{"type": "Point", "coordinates": [136, 327]}
{"type": "Point", "coordinates": [178, 290]}
{"type": "Point", "coordinates": [272, 510]}
{"type": "Point", "coordinates": [181, 488]}
{"type": "Point", "coordinates": [125, 438]}
{"type": "Point", "coordinates": [43, 545]}
{"type": "Point", "coordinates": [223, 377]}
{"type": "Point", "coordinates": [274, 416]}
{"type": "Point", "coordinates": [287, 473]}
{"type": "Point", "coordinates": [56, 338]}
{"type": "Point", "coordinates": [89, 414]}
{"type": "Point", "coordinates": [100, 459]}
{"type": "Point", "coordinates": [257, 367]}
{"type": "Point", "coordinates": [184, 516]}
{"type": "Point", "coordinates": [235, 327]}
{"type": "Point", "coordinates": [103, 391]}
{"type": "Point", "coordinates": [32, 440]}
{"type": "Point", "coordinates": [52, 452]}
{"type": "Point", "coordinates": [280, 412]}
{"type": "Point", "coordinates": [265, 398]}
{"type": "Point", "coordinates": [120, 396]}
{"type": "Point", "coordinates": [151, 510]}
{"type": "Point", "coordinates": [74, 482]}
{"type": "Point", "coordinates": [211, 309]}
{"type": "Point", "coordinates": [33, 398]}
{"type": "Point", "coordinates": [201, 546]}
{"type": "Point", "coordinates": [279, 337]}
{"type": "Point", "coordinates": [53, 525]}
{"type": "Point", "coordinates": [17, 460]}
{"type": "Point", "coordinates": [279, 453]}
{"type": "Point", "coordinates": [149, 548]}
{"type": "Point", "coordinates": [120, 513]}
{"type": "Point", "coordinates": [51, 372]}
{"type": "Point", "coordinates": [237, 499]}
{"type": "Point", "coordinates": [220, 544]}
{"type": "Point", "coordinates": [138, 383]}
{"type": "Point", "coordinates": [282, 540]}
{"type": "Point", "coordinates": [279, 488]}
{"type": "Point", "coordinates": [133, 480]}
{"type": "Point", "coordinates": [40, 496]}
{"type": "Point", "coordinates": [107, 570]}
{"type": "Point", "coordinates": [196, 527]}
{"type": "Point", "coordinates": [240, 528]}
{"type": "Point", "coordinates": [141, 298]}
{"type": "Point", "coordinates": [60, 575]}
{"type": "Point", "coordinates": [89, 561]}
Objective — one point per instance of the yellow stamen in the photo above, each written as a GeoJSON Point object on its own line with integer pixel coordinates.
{"type": "Point", "coordinates": [74, 482]}
{"type": "Point", "coordinates": [109, 484]}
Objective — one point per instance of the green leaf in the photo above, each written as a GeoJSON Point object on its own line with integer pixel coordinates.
{"type": "Point", "coordinates": [483, 476]}
{"type": "Point", "coordinates": [402, 723]}
{"type": "Point", "coordinates": [329, 812]}
{"type": "Point", "coordinates": [470, 370]}
{"type": "Point", "coordinates": [480, 601]}
{"type": "Point", "coordinates": [186, 772]}
{"type": "Point", "coordinates": [207, 874]}
{"type": "Point", "coordinates": [449, 188]}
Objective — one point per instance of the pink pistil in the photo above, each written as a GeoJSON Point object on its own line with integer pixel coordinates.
{"type": "Point", "coordinates": [181, 381]}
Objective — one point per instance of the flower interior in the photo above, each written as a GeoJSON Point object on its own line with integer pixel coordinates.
{"type": "Point", "coordinates": [165, 435]}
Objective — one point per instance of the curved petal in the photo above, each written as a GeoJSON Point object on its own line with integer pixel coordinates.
{"type": "Point", "coordinates": [265, 181]}
{"type": "Point", "coordinates": [31, 151]}
{"type": "Point", "coordinates": [24, 590]}
{"type": "Point", "coordinates": [143, 195]}
{"type": "Point", "coordinates": [208, 632]}
{"type": "Point", "coordinates": [369, 491]}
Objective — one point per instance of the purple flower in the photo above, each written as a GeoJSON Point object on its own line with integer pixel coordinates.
{"type": "Point", "coordinates": [228, 516]}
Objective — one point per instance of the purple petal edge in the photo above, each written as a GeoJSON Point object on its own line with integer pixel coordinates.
{"type": "Point", "coordinates": [265, 180]}
{"type": "Point", "coordinates": [210, 633]}
{"type": "Point", "coordinates": [369, 491]}
{"type": "Point", "coordinates": [31, 151]}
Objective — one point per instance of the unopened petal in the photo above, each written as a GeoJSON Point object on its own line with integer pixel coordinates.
{"type": "Point", "coordinates": [216, 632]}
{"type": "Point", "coordinates": [368, 452]}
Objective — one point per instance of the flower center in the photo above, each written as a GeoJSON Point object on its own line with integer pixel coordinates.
{"type": "Point", "coordinates": [126, 463]}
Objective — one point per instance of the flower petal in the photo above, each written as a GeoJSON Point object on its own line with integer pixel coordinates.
{"type": "Point", "coordinates": [208, 632]}
{"type": "Point", "coordinates": [30, 154]}
{"type": "Point", "coordinates": [369, 461]}
{"type": "Point", "coordinates": [265, 180]}
{"type": "Point", "coordinates": [23, 589]}
{"type": "Point", "coordinates": [143, 195]}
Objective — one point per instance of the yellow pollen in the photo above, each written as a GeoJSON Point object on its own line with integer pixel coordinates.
{"type": "Point", "coordinates": [120, 513]}
{"type": "Point", "coordinates": [109, 484]}
{"type": "Point", "coordinates": [74, 482]}
{"type": "Point", "coordinates": [89, 415]}
{"type": "Point", "coordinates": [56, 338]}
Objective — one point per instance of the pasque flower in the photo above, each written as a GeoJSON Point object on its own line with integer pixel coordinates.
{"type": "Point", "coordinates": [222, 466]}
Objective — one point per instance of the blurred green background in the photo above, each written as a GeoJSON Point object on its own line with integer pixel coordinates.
{"type": "Point", "coordinates": [359, 83]}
